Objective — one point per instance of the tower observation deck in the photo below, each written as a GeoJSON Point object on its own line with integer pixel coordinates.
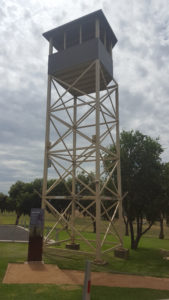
{"type": "Point", "coordinates": [78, 43]}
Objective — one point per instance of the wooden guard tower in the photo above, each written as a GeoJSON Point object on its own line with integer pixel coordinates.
{"type": "Point", "coordinates": [82, 120]}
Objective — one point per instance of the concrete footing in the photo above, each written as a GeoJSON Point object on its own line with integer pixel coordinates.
{"type": "Point", "coordinates": [121, 252]}
{"type": "Point", "coordinates": [100, 262]}
{"type": "Point", "coordinates": [73, 246]}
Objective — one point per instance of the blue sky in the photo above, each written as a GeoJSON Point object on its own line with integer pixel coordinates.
{"type": "Point", "coordinates": [140, 66]}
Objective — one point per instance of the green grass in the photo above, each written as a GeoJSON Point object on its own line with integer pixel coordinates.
{"type": "Point", "coordinates": [40, 292]}
{"type": "Point", "coordinates": [145, 261]}
{"type": "Point", "coordinates": [11, 253]}
{"type": "Point", "coordinates": [7, 218]}
{"type": "Point", "coordinates": [37, 291]}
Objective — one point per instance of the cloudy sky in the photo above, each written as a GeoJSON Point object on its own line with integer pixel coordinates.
{"type": "Point", "coordinates": [141, 67]}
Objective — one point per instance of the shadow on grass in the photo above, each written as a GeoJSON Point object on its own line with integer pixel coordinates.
{"type": "Point", "coordinates": [144, 261]}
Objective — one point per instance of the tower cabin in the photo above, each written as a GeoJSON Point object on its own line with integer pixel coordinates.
{"type": "Point", "coordinates": [78, 44]}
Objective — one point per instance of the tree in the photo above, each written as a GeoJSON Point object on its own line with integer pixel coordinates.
{"type": "Point", "coordinates": [23, 197]}
{"type": "Point", "coordinates": [89, 180]}
{"type": "Point", "coordinates": [59, 190]}
{"type": "Point", "coordinates": [164, 203]}
{"type": "Point", "coordinates": [141, 171]}
{"type": "Point", "coordinates": [16, 202]}
{"type": "Point", "coordinates": [3, 202]}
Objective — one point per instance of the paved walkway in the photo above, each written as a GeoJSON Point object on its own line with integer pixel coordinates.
{"type": "Point", "coordinates": [42, 273]}
{"type": "Point", "coordinates": [13, 233]}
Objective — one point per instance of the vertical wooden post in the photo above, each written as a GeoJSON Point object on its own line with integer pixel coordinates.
{"type": "Point", "coordinates": [80, 34]}
{"type": "Point", "coordinates": [64, 40]}
{"type": "Point", "coordinates": [110, 50]}
{"type": "Point", "coordinates": [105, 40]}
{"type": "Point", "coordinates": [97, 28]}
{"type": "Point", "coordinates": [47, 134]}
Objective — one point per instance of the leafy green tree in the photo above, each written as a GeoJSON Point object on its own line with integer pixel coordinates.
{"type": "Point", "coordinates": [23, 197]}
{"type": "Point", "coordinates": [141, 171]}
{"type": "Point", "coordinates": [16, 202]}
{"type": "Point", "coordinates": [3, 202]}
{"type": "Point", "coordinates": [164, 203]}
{"type": "Point", "coordinates": [88, 180]}
{"type": "Point", "coordinates": [59, 190]}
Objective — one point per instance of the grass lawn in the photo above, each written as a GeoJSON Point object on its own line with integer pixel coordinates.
{"type": "Point", "coordinates": [145, 261]}
{"type": "Point", "coordinates": [40, 292]}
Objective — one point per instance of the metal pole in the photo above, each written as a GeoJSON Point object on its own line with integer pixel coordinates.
{"type": "Point", "coordinates": [74, 168]}
{"type": "Point", "coordinates": [119, 168]}
{"type": "Point", "coordinates": [47, 143]}
{"type": "Point", "coordinates": [87, 281]}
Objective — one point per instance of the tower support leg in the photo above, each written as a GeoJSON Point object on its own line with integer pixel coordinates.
{"type": "Point", "coordinates": [47, 134]}
{"type": "Point", "coordinates": [119, 168]}
{"type": "Point", "coordinates": [73, 245]}
{"type": "Point", "coordinates": [98, 208]}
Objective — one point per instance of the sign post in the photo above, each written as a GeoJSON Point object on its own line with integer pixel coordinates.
{"type": "Point", "coordinates": [36, 235]}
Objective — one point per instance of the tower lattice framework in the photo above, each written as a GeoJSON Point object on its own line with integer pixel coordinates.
{"type": "Point", "coordinates": [80, 127]}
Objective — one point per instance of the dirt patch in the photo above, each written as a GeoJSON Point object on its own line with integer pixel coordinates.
{"type": "Point", "coordinates": [51, 274]}
{"type": "Point", "coordinates": [35, 273]}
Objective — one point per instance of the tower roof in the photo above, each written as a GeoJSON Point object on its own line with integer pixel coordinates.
{"type": "Point", "coordinates": [56, 33]}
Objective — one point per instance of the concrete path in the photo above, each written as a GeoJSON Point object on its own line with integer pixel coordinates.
{"type": "Point", "coordinates": [51, 274]}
